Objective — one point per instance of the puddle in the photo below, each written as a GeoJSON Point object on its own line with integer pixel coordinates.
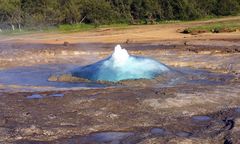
{"type": "Point", "coordinates": [201, 118]}
{"type": "Point", "coordinates": [57, 95]}
{"type": "Point", "coordinates": [108, 136]}
{"type": "Point", "coordinates": [204, 77]}
{"type": "Point", "coordinates": [157, 131]}
{"type": "Point", "coordinates": [99, 138]}
{"type": "Point", "coordinates": [36, 77]}
{"type": "Point", "coordinates": [238, 110]}
{"type": "Point", "coordinates": [38, 96]}
{"type": "Point", "coordinates": [204, 82]}
{"type": "Point", "coordinates": [94, 138]}
{"type": "Point", "coordinates": [35, 96]}
{"type": "Point", "coordinates": [184, 134]}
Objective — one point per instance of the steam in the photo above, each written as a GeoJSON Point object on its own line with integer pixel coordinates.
{"type": "Point", "coordinates": [121, 66]}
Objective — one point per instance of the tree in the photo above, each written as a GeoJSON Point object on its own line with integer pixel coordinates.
{"type": "Point", "coordinates": [42, 13]}
{"type": "Point", "coordinates": [70, 11]}
{"type": "Point", "coordinates": [167, 10]}
{"type": "Point", "coordinates": [227, 7]}
{"type": "Point", "coordinates": [97, 11]}
{"type": "Point", "coordinates": [10, 13]}
{"type": "Point", "coordinates": [122, 9]}
{"type": "Point", "coordinates": [207, 7]}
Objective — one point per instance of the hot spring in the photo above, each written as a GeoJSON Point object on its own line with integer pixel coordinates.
{"type": "Point", "coordinates": [65, 74]}
{"type": "Point", "coordinates": [121, 66]}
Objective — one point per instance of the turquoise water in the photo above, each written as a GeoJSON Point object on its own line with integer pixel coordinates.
{"type": "Point", "coordinates": [121, 66]}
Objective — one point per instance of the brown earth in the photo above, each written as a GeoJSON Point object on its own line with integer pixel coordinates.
{"type": "Point", "coordinates": [202, 108]}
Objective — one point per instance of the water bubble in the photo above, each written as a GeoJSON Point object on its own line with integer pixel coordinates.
{"type": "Point", "coordinates": [121, 66]}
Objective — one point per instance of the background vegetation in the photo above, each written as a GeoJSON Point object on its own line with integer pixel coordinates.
{"type": "Point", "coordinates": [15, 14]}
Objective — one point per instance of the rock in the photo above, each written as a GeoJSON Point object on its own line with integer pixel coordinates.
{"type": "Point", "coordinates": [3, 121]}
{"type": "Point", "coordinates": [52, 116]}
{"type": "Point", "coordinates": [4, 134]}
{"type": "Point", "coordinates": [128, 41]}
{"type": "Point", "coordinates": [70, 78]}
{"type": "Point", "coordinates": [185, 43]}
{"type": "Point", "coordinates": [31, 130]}
{"type": "Point", "coordinates": [237, 125]}
{"type": "Point", "coordinates": [66, 43]}
{"type": "Point", "coordinates": [53, 78]}
{"type": "Point", "coordinates": [48, 133]}
{"type": "Point", "coordinates": [186, 31]}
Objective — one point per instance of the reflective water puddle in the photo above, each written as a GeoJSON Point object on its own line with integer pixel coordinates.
{"type": "Point", "coordinates": [57, 95]}
{"type": "Point", "coordinates": [38, 96]}
{"type": "Point", "coordinates": [35, 96]}
{"type": "Point", "coordinates": [201, 118]}
{"type": "Point", "coordinates": [100, 138]}
{"type": "Point", "coordinates": [184, 134]}
{"type": "Point", "coordinates": [157, 131]}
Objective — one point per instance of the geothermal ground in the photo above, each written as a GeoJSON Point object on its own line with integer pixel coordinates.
{"type": "Point", "coordinates": [199, 102]}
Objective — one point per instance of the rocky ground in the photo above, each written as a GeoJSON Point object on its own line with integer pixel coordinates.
{"type": "Point", "coordinates": [199, 104]}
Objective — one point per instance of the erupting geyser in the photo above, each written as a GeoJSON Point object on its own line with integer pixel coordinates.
{"type": "Point", "coordinates": [121, 66]}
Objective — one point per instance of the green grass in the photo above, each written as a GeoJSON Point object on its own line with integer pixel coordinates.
{"type": "Point", "coordinates": [171, 22]}
{"type": "Point", "coordinates": [87, 27]}
{"type": "Point", "coordinates": [117, 26]}
{"type": "Point", "coordinates": [15, 32]}
{"type": "Point", "coordinates": [75, 27]}
{"type": "Point", "coordinates": [63, 29]}
{"type": "Point", "coordinates": [217, 27]}
{"type": "Point", "coordinates": [27, 31]}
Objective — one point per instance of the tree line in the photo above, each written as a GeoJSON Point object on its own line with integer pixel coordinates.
{"type": "Point", "coordinates": [40, 13]}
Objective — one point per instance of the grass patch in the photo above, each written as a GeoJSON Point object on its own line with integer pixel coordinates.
{"type": "Point", "coordinates": [28, 30]}
{"type": "Point", "coordinates": [87, 27]}
{"type": "Point", "coordinates": [15, 32]}
{"type": "Point", "coordinates": [75, 27]}
{"type": "Point", "coordinates": [121, 25]}
{"type": "Point", "coordinates": [66, 28]}
{"type": "Point", "coordinates": [218, 27]}
{"type": "Point", "coordinates": [171, 22]}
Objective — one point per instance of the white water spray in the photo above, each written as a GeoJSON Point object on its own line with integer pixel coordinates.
{"type": "Point", "coordinates": [119, 56]}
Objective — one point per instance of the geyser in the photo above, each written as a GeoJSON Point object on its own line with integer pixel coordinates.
{"type": "Point", "coordinates": [121, 66]}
